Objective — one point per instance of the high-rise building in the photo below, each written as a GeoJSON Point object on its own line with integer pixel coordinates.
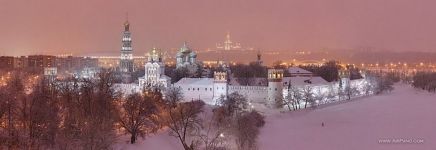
{"type": "Point", "coordinates": [228, 44]}
{"type": "Point", "coordinates": [6, 62]}
{"type": "Point", "coordinates": [126, 59]}
{"type": "Point", "coordinates": [41, 61]}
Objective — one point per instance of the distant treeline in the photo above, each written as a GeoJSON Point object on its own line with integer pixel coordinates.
{"type": "Point", "coordinates": [425, 81]}
{"type": "Point", "coordinates": [387, 57]}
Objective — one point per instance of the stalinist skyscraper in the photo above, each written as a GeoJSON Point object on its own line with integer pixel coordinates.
{"type": "Point", "coordinates": [228, 44]}
{"type": "Point", "coordinates": [126, 59]}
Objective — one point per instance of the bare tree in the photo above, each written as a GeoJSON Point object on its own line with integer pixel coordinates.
{"type": "Point", "coordinates": [97, 112]}
{"type": "Point", "coordinates": [70, 113]}
{"type": "Point", "coordinates": [234, 104]}
{"type": "Point", "coordinates": [367, 87]}
{"type": "Point", "coordinates": [173, 95]}
{"type": "Point", "coordinates": [43, 119]}
{"type": "Point", "coordinates": [247, 130]}
{"type": "Point", "coordinates": [319, 97]}
{"type": "Point", "coordinates": [307, 95]}
{"type": "Point", "coordinates": [332, 94]}
{"type": "Point", "coordinates": [213, 130]}
{"type": "Point", "coordinates": [293, 98]}
{"type": "Point", "coordinates": [289, 101]}
{"type": "Point", "coordinates": [184, 122]}
{"type": "Point", "coordinates": [12, 95]}
{"type": "Point", "coordinates": [138, 116]}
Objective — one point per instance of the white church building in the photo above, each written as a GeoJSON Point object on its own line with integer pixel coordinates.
{"type": "Point", "coordinates": [154, 71]}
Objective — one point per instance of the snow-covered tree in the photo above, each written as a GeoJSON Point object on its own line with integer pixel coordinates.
{"type": "Point", "coordinates": [234, 104]}
{"type": "Point", "coordinates": [308, 96]}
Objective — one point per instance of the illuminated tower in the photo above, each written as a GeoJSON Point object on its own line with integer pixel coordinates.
{"type": "Point", "coordinates": [227, 42]}
{"type": "Point", "coordinates": [275, 88]}
{"type": "Point", "coordinates": [126, 59]}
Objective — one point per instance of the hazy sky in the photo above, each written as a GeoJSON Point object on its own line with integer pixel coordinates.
{"type": "Point", "coordinates": [95, 26]}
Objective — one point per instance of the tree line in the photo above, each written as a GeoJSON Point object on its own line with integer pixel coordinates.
{"type": "Point", "coordinates": [90, 114]}
{"type": "Point", "coordinates": [309, 96]}
{"type": "Point", "coordinates": [425, 81]}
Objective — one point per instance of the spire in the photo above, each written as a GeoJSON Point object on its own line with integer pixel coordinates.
{"type": "Point", "coordinates": [127, 24]}
{"type": "Point", "coordinates": [259, 57]}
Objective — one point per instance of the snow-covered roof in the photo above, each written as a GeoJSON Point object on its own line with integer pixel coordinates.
{"type": "Point", "coordinates": [298, 70]}
{"type": "Point", "coordinates": [195, 81]}
{"type": "Point", "coordinates": [304, 81]}
{"type": "Point", "coordinates": [165, 77]}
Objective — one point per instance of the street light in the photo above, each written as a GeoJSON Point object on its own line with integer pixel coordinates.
{"type": "Point", "coordinates": [221, 135]}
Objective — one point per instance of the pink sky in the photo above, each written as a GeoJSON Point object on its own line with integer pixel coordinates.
{"type": "Point", "coordinates": [94, 26]}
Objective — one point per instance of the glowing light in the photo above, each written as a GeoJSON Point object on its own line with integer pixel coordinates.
{"type": "Point", "coordinates": [221, 135]}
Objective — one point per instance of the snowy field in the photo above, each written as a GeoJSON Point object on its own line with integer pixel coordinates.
{"type": "Point", "coordinates": [406, 117]}
{"type": "Point", "coordinates": [402, 120]}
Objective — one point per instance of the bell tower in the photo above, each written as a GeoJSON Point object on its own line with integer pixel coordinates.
{"type": "Point", "coordinates": [126, 58]}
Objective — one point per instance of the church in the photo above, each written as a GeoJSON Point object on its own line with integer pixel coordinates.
{"type": "Point", "coordinates": [187, 58]}
{"type": "Point", "coordinates": [154, 71]}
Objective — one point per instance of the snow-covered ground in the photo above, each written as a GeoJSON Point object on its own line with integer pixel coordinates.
{"type": "Point", "coordinates": [406, 116]}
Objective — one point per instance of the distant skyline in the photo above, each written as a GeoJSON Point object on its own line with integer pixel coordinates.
{"type": "Point", "coordinates": [85, 27]}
